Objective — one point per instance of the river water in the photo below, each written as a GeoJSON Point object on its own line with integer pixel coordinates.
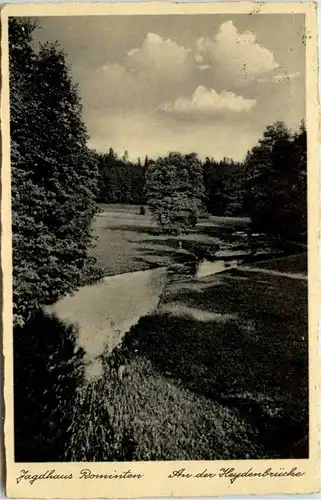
{"type": "Point", "coordinates": [105, 311]}
{"type": "Point", "coordinates": [207, 268]}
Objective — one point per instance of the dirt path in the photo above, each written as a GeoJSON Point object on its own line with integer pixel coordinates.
{"type": "Point", "coordinates": [295, 276]}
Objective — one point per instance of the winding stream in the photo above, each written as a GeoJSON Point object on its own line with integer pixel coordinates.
{"type": "Point", "coordinates": [104, 312]}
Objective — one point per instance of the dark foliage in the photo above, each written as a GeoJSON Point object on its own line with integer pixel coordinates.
{"type": "Point", "coordinates": [175, 191]}
{"type": "Point", "coordinates": [47, 372]}
{"type": "Point", "coordinates": [224, 187]}
{"type": "Point", "coordinates": [121, 181]}
{"type": "Point", "coordinates": [276, 183]}
{"type": "Point", "coordinates": [54, 176]}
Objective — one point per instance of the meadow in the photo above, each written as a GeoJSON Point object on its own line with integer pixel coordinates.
{"type": "Point", "coordinates": [127, 241]}
{"type": "Point", "coordinates": [217, 369]}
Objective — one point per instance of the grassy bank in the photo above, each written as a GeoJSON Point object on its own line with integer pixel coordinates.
{"type": "Point", "coordinates": [234, 386]}
{"type": "Point", "coordinates": [291, 264]}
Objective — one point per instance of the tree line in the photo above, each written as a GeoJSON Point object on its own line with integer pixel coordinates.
{"type": "Point", "coordinates": [57, 180]}
{"type": "Point", "coordinates": [124, 181]}
{"type": "Point", "coordinates": [269, 186]}
{"type": "Point", "coordinates": [121, 180]}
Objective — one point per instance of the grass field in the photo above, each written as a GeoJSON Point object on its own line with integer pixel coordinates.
{"type": "Point", "coordinates": [219, 370]}
{"type": "Point", "coordinates": [291, 264]}
{"type": "Point", "coordinates": [127, 241]}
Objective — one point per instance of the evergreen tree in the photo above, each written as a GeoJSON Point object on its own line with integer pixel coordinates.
{"type": "Point", "coordinates": [276, 183]}
{"type": "Point", "coordinates": [224, 186]}
{"type": "Point", "coordinates": [146, 161]}
{"type": "Point", "coordinates": [54, 176]}
{"type": "Point", "coordinates": [112, 155]}
{"type": "Point", "coordinates": [120, 181]}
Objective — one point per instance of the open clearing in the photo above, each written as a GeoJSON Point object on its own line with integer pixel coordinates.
{"type": "Point", "coordinates": [127, 241]}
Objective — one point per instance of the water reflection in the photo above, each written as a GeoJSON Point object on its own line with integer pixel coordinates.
{"type": "Point", "coordinates": [104, 312]}
{"type": "Point", "coordinates": [207, 267]}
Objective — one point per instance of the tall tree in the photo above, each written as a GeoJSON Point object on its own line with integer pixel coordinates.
{"type": "Point", "coordinates": [224, 182]}
{"type": "Point", "coordinates": [175, 191]}
{"type": "Point", "coordinates": [146, 161]}
{"type": "Point", "coordinates": [54, 176]}
{"type": "Point", "coordinates": [276, 182]}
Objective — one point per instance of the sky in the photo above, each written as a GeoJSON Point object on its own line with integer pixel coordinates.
{"type": "Point", "coordinates": [208, 84]}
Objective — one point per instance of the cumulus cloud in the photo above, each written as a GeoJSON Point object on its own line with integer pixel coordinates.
{"type": "Point", "coordinates": [160, 69]}
{"type": "Point", "coordinates": [143, 78]}
{"type": "Point", "coordinates": [157, 55]}
{"type": "Point", "coordinates": [238, 55]}
{"type": "Point", "coordinates": [208, 102]}
{"type": "Point", "coordinates": [125, 73]}
{"type": "Point", "coordinates": [150, 99]}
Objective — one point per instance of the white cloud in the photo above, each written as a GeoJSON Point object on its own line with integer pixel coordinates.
{"type": "Point", "coordinates": [209, 102]}
{"type": "Point", "coordinates": [203, 67]}
{"type": "Point", "coordinates": [146, 76]}
{"type": "Point", "coordinates": [280, 77]}
{"type": "Point", "coordinates": [164, 57]}
{"type": "Point", "coordinates": [237, 55]}
{"type": "Point", "coordinates": [163, 96]}
{"type": "Point", "coordinates": [160, 69]}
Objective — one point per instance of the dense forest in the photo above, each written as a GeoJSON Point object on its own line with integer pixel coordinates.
{"type": "Point", "coordinates": [269, 186]}
{"type": "Point", "coordinates": [123, 181]}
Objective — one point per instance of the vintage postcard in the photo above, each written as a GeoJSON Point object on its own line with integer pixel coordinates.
{"type": "Point", "coordinates": [160, 224]}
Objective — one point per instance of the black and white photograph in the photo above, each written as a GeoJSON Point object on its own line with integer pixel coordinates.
{"type": "Point", "coordinates": [159, 237]}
